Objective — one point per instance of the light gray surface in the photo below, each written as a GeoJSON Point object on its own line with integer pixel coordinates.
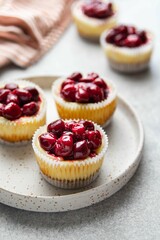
{"type": "Point", "coordinates": [134, 212]}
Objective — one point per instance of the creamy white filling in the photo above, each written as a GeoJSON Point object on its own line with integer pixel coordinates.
{"type": "Point", "coordinates": [78, 13]}
{"type": "Point", "coordinates": [147, 47]}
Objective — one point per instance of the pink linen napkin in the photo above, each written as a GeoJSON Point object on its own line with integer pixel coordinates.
{"type": "Point", "coordinates": [28, 28]}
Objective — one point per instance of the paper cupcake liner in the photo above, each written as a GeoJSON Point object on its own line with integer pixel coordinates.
{"type": "Point", "coordinates": [129, 60]}
{"type": "Point", "coordinates": [99, 112]}
{"type": "Point", "coordinates": [128, 68]}
{"type": "Point", "coordinates": [73, 172]}
{"type": "Point", "coordinates": [91, 28]}
{"type": "Point", "coordinates": [74, 184]}
{"type": "Point", "coordinates": [21, 130]}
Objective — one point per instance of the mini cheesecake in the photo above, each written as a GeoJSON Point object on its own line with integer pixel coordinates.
{"type": "Point", "coordinates": [22, 110]}
{"type": "Point", "coordinates": [127, 48]}
{"type": "Point", "coordinates": [70, 153]}
{"type": "Point", "coordinates": [93, 17]}
{"type": "Point", "coordinates": [85, 97]}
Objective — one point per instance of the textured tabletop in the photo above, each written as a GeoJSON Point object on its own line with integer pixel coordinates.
{"type": "Point", "coordinates": [133, 212]}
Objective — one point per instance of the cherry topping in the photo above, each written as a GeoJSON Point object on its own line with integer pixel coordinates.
{"type": "Point", "coordinates": [47, 141]}
{"type": "Point", "coordinates": [22, 98]}
{"type": "Point", "coordinates": [81, 150]}
{"type": "Point", "coordinates": [30, 109]}
{"type": "Point", "coordinates": [3, 94]}
{"type": "Point", "coordinates": [126, 36]}
{"type": "Point", "coordinates": [77, 139]}
{"type": "Point", "coordinates": [57, 127]}
{"type": "Point", "coordinates": [12, 98]}
{"type": "Point", "coordinates": [98, 9]}
{"type": "Point", "coordinates": [89, 89]}
{"type": "Point", "coordinates": [64, 145]}
{"type": "Point", "coordinates": [12, 111]}
{"type": "Point", "coordinates": [1, 109]}
{"type": "Point", "coordinates": [11, 86]}
{"type": "Point", "coordinates": [94, 138]}
{"type": "Point", "coordinates": [23, 95]}
{"type": "Point", "coordinates": [75, 76]}
{"type": "Point", "coordinates": [34, 92]}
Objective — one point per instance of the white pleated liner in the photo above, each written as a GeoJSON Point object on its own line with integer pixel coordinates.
{"type": "Point", "coordinates": [46, 158]}
{"type": "Point", "coordinates": [73, 105]}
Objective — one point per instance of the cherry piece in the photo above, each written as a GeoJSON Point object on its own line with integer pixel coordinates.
{"type": "Point", "coordinates": [64, 145]}
{"type": "Point", "coordinates": [75, 76]}
{"type": "Point", "coordinates": [1, 109]}
{"type": "Point", "coordinates": [12, 111]}
{"type": "Point", "coordinates": [133, 41]}
{"type": "Point", "coordinates": [78, 129]}
{"type": "Point", "coordinates": [69, 125]}
{"type": "Point", "coordinates": [47, 141]}
{"type": "Point", "coordinates": [12, 98]}
{"type": "Point", "coordinates": [100, 83]}
{"type": "Point", "coordinates": [68, 92]}
{"type": "Point", "coordinates": [11, 86]}
{"type": "Point", "coordinates": [30, 109]}
{"type": "Point", "coordinates": [111, 35]}
{"type": "Point", "coordinates": [96, 93]}
{"type": "Point", "coordinates": [23, 95]}
{"type": "Point", "coordinates": [122, 29]}
{"type": "Point", "coordinates": [143, 36]}
{"type": "Point", "coordinates": [94, 139]}
{"type": "Point", "coordinates": [118, 39]}
{"type": "Point", "coordinates": [57, 127]}
{"type": "Point", "coordinates": [34, 92]}
{"type": "Point", "coordinates": [87, 124]}
{"type": "Point", "coordinates": [67, 81]}
{"type": "Point", "coordinates": [81, 150]}
{"type": "Point", "coordinates": [131, 30]}
{"type": "Point", "coordinates": [82, 94]}
{"type": "Point", "coordinates": [3, 94]}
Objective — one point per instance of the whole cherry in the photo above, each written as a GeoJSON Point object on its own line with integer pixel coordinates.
{"type": "Point", "coordinates": [47, 141]}
{"type": "Point", "coordinates": [12, 111]}
{"type": "Point", "coordinates": [64, 145]}
{"type": "Point", "coordinates": [57, 127]}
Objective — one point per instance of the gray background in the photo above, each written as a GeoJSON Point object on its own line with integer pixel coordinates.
{"type": "Point", "coordinates": [133, 212]}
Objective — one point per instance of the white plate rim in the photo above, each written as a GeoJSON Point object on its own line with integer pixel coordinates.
{"type": "Point", "coordinates": [87, 192]}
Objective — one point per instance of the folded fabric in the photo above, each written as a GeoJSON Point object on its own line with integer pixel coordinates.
{"type": "Point", "coordinates": [28, 28]}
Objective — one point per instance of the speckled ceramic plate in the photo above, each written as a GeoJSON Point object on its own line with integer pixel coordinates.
{"type": "Point", "coordinates": [22, 186]}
